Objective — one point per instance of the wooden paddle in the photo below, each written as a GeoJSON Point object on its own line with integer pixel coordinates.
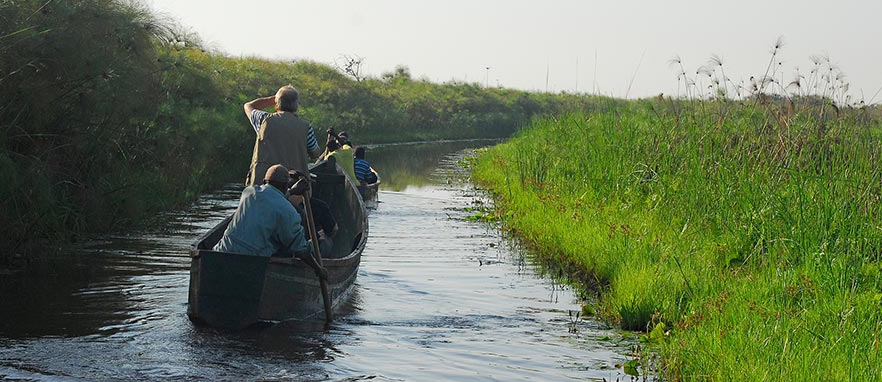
{"type": "Point", "coordinates": [317, 255]}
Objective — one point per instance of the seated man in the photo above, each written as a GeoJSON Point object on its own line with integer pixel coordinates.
{"type": "Point", "coordinates": [342, 152]}
{"type": "Point", "coordinates": [364, 173]}
{"type": "Point", "coordinates": [266, 224]}
{"type": "Point", "coordinates": [344, 137]}
{"type": "Point", "coordinates": [325, 224]}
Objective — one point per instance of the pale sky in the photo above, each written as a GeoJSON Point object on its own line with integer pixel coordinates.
{"type": "Point", "coordinates": [558, 45]}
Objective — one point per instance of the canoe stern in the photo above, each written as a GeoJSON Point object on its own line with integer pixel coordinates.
{"type": "Point", "coordinates": [226, 288]}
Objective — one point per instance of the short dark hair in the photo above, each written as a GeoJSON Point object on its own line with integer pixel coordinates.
{"type": "Point", "coordinates": [343, 138]}
{"type": "Point", "coordinates": [359, 152]}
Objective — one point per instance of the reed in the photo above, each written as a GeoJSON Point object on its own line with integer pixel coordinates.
{"type": "Point", "coordinates": [744, 218]}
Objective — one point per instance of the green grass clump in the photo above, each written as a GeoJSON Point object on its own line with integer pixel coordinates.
{"type": "Point", "coordinates": [750, 227]}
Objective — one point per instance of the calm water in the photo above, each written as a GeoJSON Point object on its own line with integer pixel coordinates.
{"type": "Point", "coordinates": [437, 298]}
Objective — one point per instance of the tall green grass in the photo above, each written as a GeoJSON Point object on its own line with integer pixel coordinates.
{"type": "Point", "coordinates": [751, 226]}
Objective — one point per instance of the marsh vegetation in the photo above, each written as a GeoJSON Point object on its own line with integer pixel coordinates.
{"type": "Point", "coordinates": [110, 114]}
{"type": "Point", "coordinates": [744, 217]}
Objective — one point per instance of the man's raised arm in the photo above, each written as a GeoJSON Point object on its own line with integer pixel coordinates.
{"type": "Point", "coordinates": [259, 104]}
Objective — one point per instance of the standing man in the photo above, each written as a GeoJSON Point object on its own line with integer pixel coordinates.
{"type": "Point", "coordinates": [282, 137]}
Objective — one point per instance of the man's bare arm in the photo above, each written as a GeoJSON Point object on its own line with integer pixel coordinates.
{"type": "Point", "coordinates": [259, 104]}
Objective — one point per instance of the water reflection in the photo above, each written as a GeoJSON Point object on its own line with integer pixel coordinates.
{"type": "Point", "coordinates": [414, 165]}
{"type": "Point", "coordinates": [437, 298]}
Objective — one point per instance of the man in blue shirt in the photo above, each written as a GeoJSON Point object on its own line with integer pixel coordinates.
{"type": "Point", "coordinates": [364, 173]}
{"type": "Point", "coordinates": [266, 224]}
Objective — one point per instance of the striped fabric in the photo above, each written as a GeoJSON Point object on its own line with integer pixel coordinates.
{"type": "Point", "coordinates": [363, 171]}
{"type": "Point", "coordinates": [257, 117]}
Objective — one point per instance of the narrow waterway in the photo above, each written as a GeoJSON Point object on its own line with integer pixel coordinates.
{"type": "Point", "coordinates": [438, 297]}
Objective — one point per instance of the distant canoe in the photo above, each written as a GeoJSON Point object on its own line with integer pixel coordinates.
{"type": "Point", "coordinates": [231, 290]}
{"type": "Point", "coordinates": [370, 195]}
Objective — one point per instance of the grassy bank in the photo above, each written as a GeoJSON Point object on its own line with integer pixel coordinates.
{"type": "Point", "coordinates": [751, 228]}
{"type": "Point", "coordinates": [109, 114]}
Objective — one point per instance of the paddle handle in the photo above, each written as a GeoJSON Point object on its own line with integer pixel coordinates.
{"type": "Point", "coordinates": [316, 253]}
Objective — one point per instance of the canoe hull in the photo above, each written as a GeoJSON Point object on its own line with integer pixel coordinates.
{"type": "Point", "coordinates": [230, 290]}
{"type": "Point", "coordinates": [233, 291]}
{"type": "Point", "coordinates": [370, 195]}
{"type": "Point", "coordinates": [226, 289]}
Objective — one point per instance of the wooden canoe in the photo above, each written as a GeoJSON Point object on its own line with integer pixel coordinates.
{"type": "Point", "coordinates": [370, 195]}
{"type": "Point", "coordinates": [230, 290]}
